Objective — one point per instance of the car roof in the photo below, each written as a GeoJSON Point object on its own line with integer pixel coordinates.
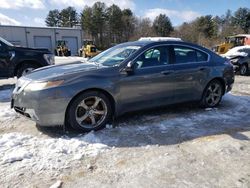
{"type": "Point", "coordinates": [149, 43]}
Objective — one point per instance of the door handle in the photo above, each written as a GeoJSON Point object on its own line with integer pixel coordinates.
{"type": "Point", "coordinates": [202, 68]}
{"type": "Point", "coordinates": [167, 72]}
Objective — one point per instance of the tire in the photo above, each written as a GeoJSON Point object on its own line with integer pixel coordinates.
{"type": "Point", "coordinates": [90, 111]}
{"type": "Point", "coordinates": [69, 53]}
{"type": "Point", "coordinates": [243, 69]}
{"type": "Point", "coordinates": [25, 68]}
{"type": "Point", "coordinates": [55, 51]}
{"type": "Point", "coordinates": [212, 94]}
{"type": "Point", "coordinates": [80, 53]}
{"type": "Point", "coordinates": [59, 53]}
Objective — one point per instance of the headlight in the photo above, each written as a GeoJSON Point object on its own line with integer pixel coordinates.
{"type": "Point", "coordinates": [50, 58]}
{"type": "Point", "coordinates": [36, 86]}
{"type": "Point", "coordinates": [235, 60]}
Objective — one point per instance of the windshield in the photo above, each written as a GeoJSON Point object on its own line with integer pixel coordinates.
{"type": "Point", "coordinates": [114, 56]}
{"type": "Point", "coordinates": [6, 42]}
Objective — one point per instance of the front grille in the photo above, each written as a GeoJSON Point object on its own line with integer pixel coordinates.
{"type": "Point", "coordinates": [21, 111]}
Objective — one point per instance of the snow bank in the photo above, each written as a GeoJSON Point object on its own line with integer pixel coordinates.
{"type": "Point", "coordinates": [19, 151]}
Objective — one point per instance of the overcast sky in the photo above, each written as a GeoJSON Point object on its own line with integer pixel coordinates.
{"type": "Point", "coordinates": [33, 12]}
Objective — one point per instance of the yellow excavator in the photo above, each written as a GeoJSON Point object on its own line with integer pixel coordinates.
{"type": "Point", "coordinates": [62, 48]}
{"type": "Point", "coordinates": [88, 49]}
{"type": "Point", "coordinates": [232, 41]}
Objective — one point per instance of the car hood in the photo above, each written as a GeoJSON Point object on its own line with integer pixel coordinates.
{"type": "Point", "coordinates": [43, 50]}
{"type": "Point", "coordinates": [55, 72]}
{"type": "Point", "coordinates": [233, 56]}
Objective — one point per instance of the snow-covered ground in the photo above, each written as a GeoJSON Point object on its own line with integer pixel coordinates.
{"type": "Point", "coordinates": [19, 151]}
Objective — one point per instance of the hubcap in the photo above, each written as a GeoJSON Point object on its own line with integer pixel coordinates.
{"type": "Point", "coordinates": [91, 112]}
{"type": "Point", "coordinates": [27, 71]}
{"type": "Point", "coordinates": [213, 95]}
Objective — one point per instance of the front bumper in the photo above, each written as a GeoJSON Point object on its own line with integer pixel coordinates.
{"type": "Point", "coordinates": [45, 107]}
{"type": "Point", "coordinates": [236, 67]}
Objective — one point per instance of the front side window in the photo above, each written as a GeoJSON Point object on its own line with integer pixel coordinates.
{"type": "Point", "coordinates": [188, 55]}
{"type": "Point", "coordinates": [153, 57]}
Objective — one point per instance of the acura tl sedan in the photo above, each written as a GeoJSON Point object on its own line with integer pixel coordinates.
{"type": "Point", "coordinates": [128, 77]}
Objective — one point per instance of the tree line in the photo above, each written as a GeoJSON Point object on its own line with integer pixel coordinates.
{"type": "Point", "coordinates": [108, 26]}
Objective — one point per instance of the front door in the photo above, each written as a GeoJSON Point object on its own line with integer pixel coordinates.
{"type": "Point", "coordinates": [152, 83]}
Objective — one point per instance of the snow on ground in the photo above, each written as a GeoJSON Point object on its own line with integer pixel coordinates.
{"type": "Point", "coordinates": [6, 113]}
{"type": "Point", "coordinates": [18, 151]}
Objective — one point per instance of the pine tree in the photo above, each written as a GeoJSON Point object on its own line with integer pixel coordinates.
{"type": "Point", "coordinates": [69, 17]}
{"type": "Point", "coordinates": [53, 18]}
{"type": "Point", "coordinates": [162, 25]}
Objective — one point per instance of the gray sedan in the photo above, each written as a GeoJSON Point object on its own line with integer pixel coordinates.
{"type": "Point", "coordinates": [128, 77]}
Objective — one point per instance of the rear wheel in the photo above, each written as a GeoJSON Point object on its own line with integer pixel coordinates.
{"type": "Point", "coordinates": [89, 111]}
{"type": "Point", "coordinates": [25, 69]}
{"type": "Point", "coordinates": [212, 94]}
{"type": "Point", "coordinates": [85, 55]}
{"type": "Point", "coordinates": [243, 69]}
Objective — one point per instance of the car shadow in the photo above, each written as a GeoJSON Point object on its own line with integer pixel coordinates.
{"type": "Point", "coordinates": [170, 125]}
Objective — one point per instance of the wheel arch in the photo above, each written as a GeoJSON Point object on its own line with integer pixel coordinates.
{"type": "Point", "coordinates": [245, 63]}
{"type": "Point", "coordinates": [21, 63]}
{"type": "Point", "coordinates": [105, 92]}
{"type": "Point", "coordinates": [221, 80]}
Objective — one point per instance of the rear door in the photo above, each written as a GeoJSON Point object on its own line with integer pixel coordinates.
{"type": "Point", "coordinates": [152, 83]}
{"type": "Point", "coordinates": [191, 72]}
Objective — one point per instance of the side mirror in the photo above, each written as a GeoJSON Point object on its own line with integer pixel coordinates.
{"type": "Point", "coordinates": [129, 69]}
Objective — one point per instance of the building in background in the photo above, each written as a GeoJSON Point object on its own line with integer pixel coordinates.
{"type": "Point", "coordinates": [42, 37]}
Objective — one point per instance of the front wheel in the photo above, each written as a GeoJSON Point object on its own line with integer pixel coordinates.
{"type": "Point", "coordinates": [90, 111]}
{"type": "Point", "coordinates": [212, 94]}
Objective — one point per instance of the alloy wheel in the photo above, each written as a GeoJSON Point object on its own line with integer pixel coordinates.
{"type": "Point", "coordinates": [91, 112]}
{"type": "Point", "coordinates": [213, 94]}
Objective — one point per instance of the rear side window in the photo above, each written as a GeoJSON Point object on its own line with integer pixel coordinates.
{"type": "Point", "coordinates": [188, 55]}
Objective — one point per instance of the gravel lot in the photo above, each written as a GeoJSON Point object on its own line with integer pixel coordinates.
{"type": "Point", "coordinates": [174, 146]}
